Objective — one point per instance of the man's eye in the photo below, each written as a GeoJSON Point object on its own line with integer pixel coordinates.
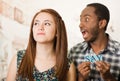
{"type": "Point", "coordinates": [86, 19]}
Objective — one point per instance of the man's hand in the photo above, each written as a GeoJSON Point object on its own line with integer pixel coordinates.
{"type": "Point", "coordinates": [104, 69]}
{"type": "Point", "coordinates": [84, 70]}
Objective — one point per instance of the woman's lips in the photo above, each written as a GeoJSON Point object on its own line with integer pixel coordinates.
{"type": "Point", "coordinates": [40, 33]}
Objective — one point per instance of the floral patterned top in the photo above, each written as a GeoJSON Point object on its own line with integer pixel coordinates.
{"type": "Point", "coordinates": [48, 75]}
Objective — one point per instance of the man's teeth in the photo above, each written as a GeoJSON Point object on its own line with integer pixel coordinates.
{"type": "Point", "coordinates": [83, 31]}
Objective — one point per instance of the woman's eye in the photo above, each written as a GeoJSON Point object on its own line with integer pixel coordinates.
{"type": "Point", "coordinates": [48, 24]}
{"type": "Point", "coordinates": [35, 23]}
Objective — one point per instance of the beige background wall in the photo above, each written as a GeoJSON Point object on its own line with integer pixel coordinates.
{"type": "Point", "coordinates": [16, 15]}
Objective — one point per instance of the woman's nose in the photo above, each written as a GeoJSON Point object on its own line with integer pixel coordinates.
{"type": "Point", "coordinates": [41, 27]}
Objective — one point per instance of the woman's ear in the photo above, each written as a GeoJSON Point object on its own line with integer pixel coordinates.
{"type": "Point", "coordinates": [102, 24]}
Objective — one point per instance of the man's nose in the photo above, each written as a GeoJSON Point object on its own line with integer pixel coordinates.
{"type": "Point", "coordinates": [81, 25]}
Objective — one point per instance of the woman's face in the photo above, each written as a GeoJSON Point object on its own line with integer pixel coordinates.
{"type": "Point", "coordinates": [44, 28]}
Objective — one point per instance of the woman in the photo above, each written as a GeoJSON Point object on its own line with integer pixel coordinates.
{"type": "Point", "coordinates": [45, 58]}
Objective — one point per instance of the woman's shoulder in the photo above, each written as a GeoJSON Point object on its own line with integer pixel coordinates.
{"type": "Point", "coordinates": [20, 55]}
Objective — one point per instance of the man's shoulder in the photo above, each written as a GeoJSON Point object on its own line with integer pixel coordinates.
{"type": "Point", "coordinates": [79, 46]}
{"type": "Point", "coordinates": [114, 46]}
{"type": "Point", "coordinates": [112, 41]}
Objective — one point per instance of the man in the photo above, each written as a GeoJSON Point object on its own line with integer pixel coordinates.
{"type": "Point", "coordinates": [98, 57]}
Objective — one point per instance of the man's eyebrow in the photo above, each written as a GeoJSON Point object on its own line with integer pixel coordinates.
{"type": "Point", "coordinates": [84, 15]}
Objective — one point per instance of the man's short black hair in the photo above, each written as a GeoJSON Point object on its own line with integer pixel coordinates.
{"type": "Point", "coordinates": [101, 11]}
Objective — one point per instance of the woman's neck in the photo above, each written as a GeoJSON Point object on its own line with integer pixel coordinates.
{"type": "Point", "coordinates": [45, 57]}
{"type": "Point", "coordinates": [44, 50]}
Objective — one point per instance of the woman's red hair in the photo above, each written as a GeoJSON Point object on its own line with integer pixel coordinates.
{"type": "Point", "coordinates": [60, 47]}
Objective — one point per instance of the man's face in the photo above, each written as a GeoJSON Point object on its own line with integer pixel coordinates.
{"type": "Point", "coordinates": [89, 24]}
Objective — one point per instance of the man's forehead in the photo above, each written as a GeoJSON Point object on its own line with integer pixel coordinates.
{"type": "Point", "coordinates": [87, 11]}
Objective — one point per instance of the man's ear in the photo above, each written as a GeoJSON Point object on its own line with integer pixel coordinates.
{"type": "Point", "coordinates": [102, 23]}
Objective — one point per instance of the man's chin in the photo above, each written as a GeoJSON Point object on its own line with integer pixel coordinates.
{"type": "Point", "coordinates": [87, 40]}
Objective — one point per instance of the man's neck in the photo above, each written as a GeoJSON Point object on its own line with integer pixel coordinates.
{"type": "Point", "coordinates": [99, 44]}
